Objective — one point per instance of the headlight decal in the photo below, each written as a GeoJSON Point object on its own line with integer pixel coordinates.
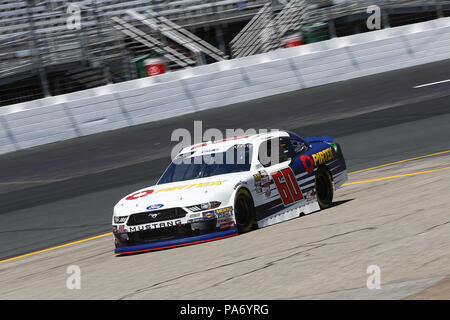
{"type": "Point", "coordinates": [121, 219]}
{"type": "Point", "coordinates": [204, 206]}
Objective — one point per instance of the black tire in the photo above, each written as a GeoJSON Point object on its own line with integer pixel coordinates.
{"type": "Point", "coordinates": [324, 188]}
{"type": "Point", "coordinates": [244, 210]}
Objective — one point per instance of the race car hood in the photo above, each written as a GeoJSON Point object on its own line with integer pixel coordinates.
{"type": "Point", "coordinates": [180, 194]}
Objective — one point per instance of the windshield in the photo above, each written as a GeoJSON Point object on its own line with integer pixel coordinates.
{"type": "Point", "coordinates": [186, 167]}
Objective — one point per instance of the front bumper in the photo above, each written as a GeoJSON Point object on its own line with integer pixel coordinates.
{"type": "Point", "coordinates": [178, 242]}
{"type": "Point", "coordinates": [164, 238]}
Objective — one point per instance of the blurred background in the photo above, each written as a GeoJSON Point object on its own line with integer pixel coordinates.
{"type": "Point", "coordinates": [53, 47]}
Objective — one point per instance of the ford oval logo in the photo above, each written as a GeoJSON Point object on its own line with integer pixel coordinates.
{"type": "Point", "coordinates": [155, 206]}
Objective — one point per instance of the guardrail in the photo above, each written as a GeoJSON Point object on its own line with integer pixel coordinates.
{"type": "Point", "coordinates": [173, 94]}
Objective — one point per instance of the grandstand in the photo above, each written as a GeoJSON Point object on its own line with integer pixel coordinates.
{"type": "Point", "coordinates": [41, 56]}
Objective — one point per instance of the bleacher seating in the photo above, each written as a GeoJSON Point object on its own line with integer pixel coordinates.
{"type": "Point", "coordinates": [50, 15]}
{"type": "Point", "coordinates": [34, 34]}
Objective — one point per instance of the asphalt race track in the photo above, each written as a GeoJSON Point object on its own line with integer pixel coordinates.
{"type": "Point", "coordinates": [65, 191]}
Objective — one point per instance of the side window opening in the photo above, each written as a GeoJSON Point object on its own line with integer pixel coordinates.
{"type": "Point", "coordinates": [265, 151]}
{"type": "Point", "coordinates": [284, 150]}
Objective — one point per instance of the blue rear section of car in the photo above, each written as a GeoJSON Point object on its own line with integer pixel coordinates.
{"type": "Point", "coordinates": [321, 151]}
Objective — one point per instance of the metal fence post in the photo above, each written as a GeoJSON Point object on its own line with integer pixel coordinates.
{"type": "Point", "coordinates": [35, 51]}
{"type": "Point", "coordinates": [200, 58]}
{"type": "Point", "coordinates": [274, 24]}
{"type": "Point", "coordinates": [218, 28]}
{"type": "Point", "coordinates": [99, 19]}
{"type": "Point", "coordinates": [331, 28]}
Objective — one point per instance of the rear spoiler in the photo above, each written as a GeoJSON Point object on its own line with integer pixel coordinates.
{"type": "Point", "coordinates": [319, 139]}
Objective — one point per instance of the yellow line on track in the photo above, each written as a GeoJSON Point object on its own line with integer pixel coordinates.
{"type": "Point", "coordinates": [396, 176]}
{"type": "Point", "coordinates": [60, 246]}
{"type": "Point", "coordinates": [345, 184]}
{"type": "Point", "coordinates": [401, 161]}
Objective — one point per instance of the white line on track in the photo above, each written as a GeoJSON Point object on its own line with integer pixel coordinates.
{"type": "Point", "coordinates": [431, 84]}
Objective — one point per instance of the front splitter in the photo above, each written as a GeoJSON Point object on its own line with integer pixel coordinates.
{"type": "Point", "coordinates": [167, 244]}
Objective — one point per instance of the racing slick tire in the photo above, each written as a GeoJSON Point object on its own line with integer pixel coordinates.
{"type": "Point", "coordinates": [244, 211]}
{"type": "Point", "coordinates": [324, 188]}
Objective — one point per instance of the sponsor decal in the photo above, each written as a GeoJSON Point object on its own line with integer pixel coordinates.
{"type": "Point", "coordinates": [118, 229]}
{"type": "Point", "coordinates": [262, 182]}
{"type": "Point", "coordinates": [209, 215]}
{"type": "Point", "coordinates": [156, 225]}
{"type": "Point", "coordinates": [195, 217]}
{"type": "Point", "coordinates": [194, 185]}
{"type": "Point", "coordinates": [226, 223]}
{"type": "Point", "coordinates": [310, 196]}
{"type": "Point", "coordinates": [308, 163]}
{"type": "Point", "coordinates": [155, 206]}
{"type": "Point", "coordinates": [225, 219]}
{"type": "Point", "coordinates": [317, 158]}
{"type": "Point", "coordinates": [287, 186]}
{"type": "Point", "coordinates": [224, 210]}
{"type": "Point", "coordinates": [323, 156]}
{"type": "Point", "coordinates": [139, 194]}
{"type": "Point", "coordinates": [144, 193]}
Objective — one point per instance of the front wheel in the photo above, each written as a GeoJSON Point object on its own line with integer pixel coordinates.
{"type": "Point", "coordinates": [324, 188]}
{"type": "Point", "coordinates": [244, 211]}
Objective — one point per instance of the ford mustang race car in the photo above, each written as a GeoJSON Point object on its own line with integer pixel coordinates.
{"type": "Point", "coordinates": [219, 189]}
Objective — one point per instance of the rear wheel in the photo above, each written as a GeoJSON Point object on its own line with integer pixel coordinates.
{"type": "Point", "coordinates": [244, 211]}
{"type": "Point", "coordinates": [324, 188]}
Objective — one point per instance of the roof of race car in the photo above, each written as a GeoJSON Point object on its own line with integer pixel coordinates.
{"type": "Point", "coordinates": [223, 145]}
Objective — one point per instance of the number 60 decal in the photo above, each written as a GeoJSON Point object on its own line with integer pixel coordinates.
{"type": "Point", "coordinates": [289, 190]}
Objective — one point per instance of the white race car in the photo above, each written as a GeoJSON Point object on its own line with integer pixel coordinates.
{"type": "Point", "coordinates": [219, 189]}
